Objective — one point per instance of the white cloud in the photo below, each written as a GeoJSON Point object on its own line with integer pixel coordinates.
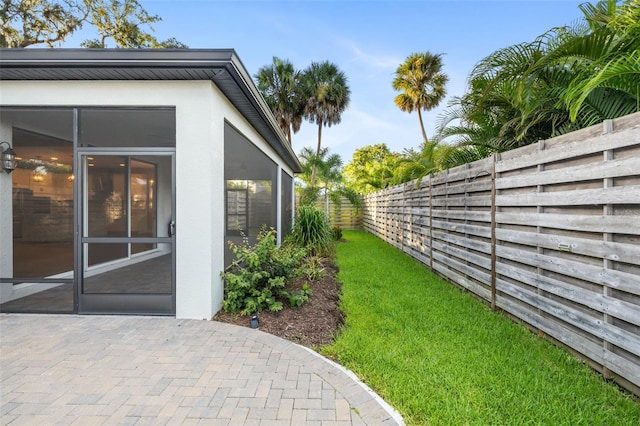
{"type": "Point", "coordinates": [375, 63]}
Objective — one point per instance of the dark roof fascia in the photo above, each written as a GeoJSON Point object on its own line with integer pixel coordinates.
{"type": "Point", "coordinates": [246, 82]}
{"type": "Point", "coordinates": [222, 66]}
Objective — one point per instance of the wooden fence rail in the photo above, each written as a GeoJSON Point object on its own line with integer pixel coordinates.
{"type": "Point", "coordinates": [548, 233]}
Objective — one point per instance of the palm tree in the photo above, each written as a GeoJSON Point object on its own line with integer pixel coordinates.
{"type": "Point", "coordinates": [327, 95]}
{"type": "Point", "coordinates": [422, 83]}
{"type": "Point", "coordinates": [329, 179]}
{"type": "Point", "coordinates": [279, 84]}
{"type": "Point", "coordinates": [609, 86]}
{"type": "Point", "coordinates": [416, 164]}
{"type": "Point", "coordinates": [327, 173]}
{"type": "Point", "coordinates": [566, 79]}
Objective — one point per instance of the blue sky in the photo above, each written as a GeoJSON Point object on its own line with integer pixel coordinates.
{"type": "Point", "coordinates": [367, 39]}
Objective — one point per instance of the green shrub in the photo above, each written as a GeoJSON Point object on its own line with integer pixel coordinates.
{"type": "Point", "coordinates": [298, 298]}
{"type": "Point", "coordinates": [311, 230]}
{"type": "Point", "coordinates": [257, 279]}
{"type": "Point", "coordinates": [336, 231]}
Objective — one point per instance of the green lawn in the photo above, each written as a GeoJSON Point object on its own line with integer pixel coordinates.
{"type": "Point", "coordinates": [440, 356]}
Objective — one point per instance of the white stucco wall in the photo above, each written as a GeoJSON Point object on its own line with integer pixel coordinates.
{"type": "Point", "coordinates": [6, 216]}
{"type": "Point", "coordinates": [201, 110]}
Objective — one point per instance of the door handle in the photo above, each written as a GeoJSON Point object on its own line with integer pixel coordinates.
{"type": "Point", "coordinates": [172, 228]}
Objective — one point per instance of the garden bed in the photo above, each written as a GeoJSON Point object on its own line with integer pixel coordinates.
{"type": "Point", "coordinates": [314, 324]}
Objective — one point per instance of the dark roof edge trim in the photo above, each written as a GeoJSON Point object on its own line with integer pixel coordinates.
{"type": "Point", "coordinates": [123, 59]}
{"type": "Point", "coordinates": [266, 113]}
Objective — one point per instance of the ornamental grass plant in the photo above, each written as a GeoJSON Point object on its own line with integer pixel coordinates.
{"type": "Point", "coordinates": [442, 357]}
{"type": "Point", "coordinates": [312, 231]}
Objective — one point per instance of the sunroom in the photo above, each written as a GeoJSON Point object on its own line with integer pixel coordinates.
{"type": "Point", "coordinates": [129, 171]}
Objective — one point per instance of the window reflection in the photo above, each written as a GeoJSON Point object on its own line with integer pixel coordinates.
{"type": "Point", "coordinates": [42, 199]}
{"type": "Point", "coordinates": [286, 203]}
{"type": "Point", "coordinates": [143, 203]}
{"type": "Point", "coordinates": [249, 206]}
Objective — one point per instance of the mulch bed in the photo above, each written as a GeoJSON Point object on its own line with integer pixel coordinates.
{"type": "Point", "coordinates": [314, 324]}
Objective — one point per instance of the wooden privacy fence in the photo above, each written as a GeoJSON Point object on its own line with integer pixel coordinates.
{"type": "Point", "coordinates": [344, 215]}
{"type": "Point", "coordinates": [549, 233]}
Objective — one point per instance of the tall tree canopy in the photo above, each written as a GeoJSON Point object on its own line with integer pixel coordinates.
{"type": "Point", "coordinates": [280, 85]}
{"type": "Point", "coordinates": [422, 85]}
{"type": "Point", "coordinates": [375, 167]}
{"type": "Point", "coordinates": [371, 168]}
{"type": "Point", "coordinates": [329, 178]}
{"type": "Point", "coordinates": [26, 23]}
{"type": "Point", "coordinates": [327, 93]}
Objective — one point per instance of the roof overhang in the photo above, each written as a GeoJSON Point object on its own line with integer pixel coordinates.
{"type": "Point", "coordinates": [221, 66]}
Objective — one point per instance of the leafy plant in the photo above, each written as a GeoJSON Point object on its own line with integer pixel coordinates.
{"type": "Point", "coordinates": [257, 279]}
{"type": "Point", "coordinates": [312, 268]}
{"type": "Point", "coordinates": [298, 298]}
{"type": "Point", "coordinates": [567, 79]}
{"type": "Point", "coordinates": [311, 230]}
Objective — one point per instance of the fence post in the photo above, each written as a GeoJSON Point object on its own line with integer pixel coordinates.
{"type": "Point", "coordinates": [493, 232]}
{"type": "Point", "coordinates": [607, 210]}
{"type": "Point", "coordinates": [430, 223]}
{"type": "Point", "coordinates": [401, 218]}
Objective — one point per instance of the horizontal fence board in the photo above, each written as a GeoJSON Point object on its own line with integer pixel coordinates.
{"type": "Point", "coordinates": [595, 171]}
{"type": "Point", "coordinates": [595, 301]}
{"type": "Point", "coordinates": [570, 150]}
{"type": "Point", "coordinates": [585, 223]}
{"type": "Point", "coordinates": [418, 255]}
{"type": "Point", "coordinates": [590, 324]}
{"type": "Point", "coordinates": [590, 273]}
{"type": "Point", "coordinates": [610, 250]}
{"type": "Point", "coordinates": [461, 188]}
{"type": "Point", "coordinates": [462, 201]}
{"type": "Point", "coordinates": [480, 231]}
{"type": "Point", "coordinates": [475, 216]}
{"type": "Point", "coordinates": [622, 366]}
{"type": "Point", "coordinates": [461, 280]}
{"type": "Point", "coordinates": [554, 329]}
{"type": "Point", "coordinates": [576, 197]}
{"type": "Point", "coordinates": [462, 254]}
{"type": "Point", "coordinates": [473, 171]}
{"type": "Point", "coordinates": [476, 245]}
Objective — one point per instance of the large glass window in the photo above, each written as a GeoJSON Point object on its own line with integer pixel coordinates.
{"type": "Point", "coordinates": [37, 206]}
{"type": "Point", "coordinates": [286, 203]}
{"type": "Point", "coordinates": [127, 127]}
{"type": "Point", "coordinates": [250, 182]}
{"type": "Point", "coordinates": [120, 203]}
{"type": "Point", "coordinates": [124, 196]}
{"type": "Point", "coordinates": [248, 206]}
{"type": "Point", "coordinates": [42, 199]}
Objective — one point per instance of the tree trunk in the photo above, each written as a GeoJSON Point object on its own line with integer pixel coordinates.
{"type": "Point", "coordinates": [313, 171]}
{"type": "Point", "coordinates": [424, 134]}
{"type": "Point", "coordinates": [319, 138]}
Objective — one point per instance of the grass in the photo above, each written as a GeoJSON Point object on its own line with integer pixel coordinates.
{"type": "Point", "coordinates": [440, 356]}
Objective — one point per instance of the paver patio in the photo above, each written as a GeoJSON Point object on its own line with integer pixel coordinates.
{"type": "Point", "coordinates": [88, 370]}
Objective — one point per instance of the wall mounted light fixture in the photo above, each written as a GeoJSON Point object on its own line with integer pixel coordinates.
{"type": "Point", "coordinates": [8, 158]}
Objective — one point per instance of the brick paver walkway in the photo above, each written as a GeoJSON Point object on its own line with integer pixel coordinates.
{"type": "Point", "coordinates": [90, 370]}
